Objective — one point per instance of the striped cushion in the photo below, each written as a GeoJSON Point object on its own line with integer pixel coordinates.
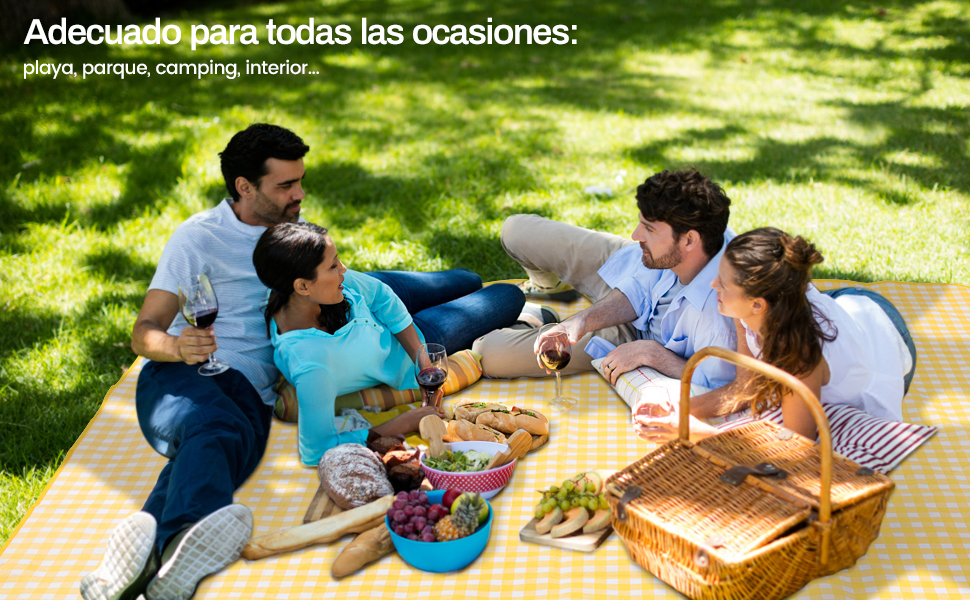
{"type": "Point", "coordinates": [872, 442]}
{"type": "Point", "coordinates": [464, 369]}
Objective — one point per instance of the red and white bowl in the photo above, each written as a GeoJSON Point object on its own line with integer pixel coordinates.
{"type": "Point", "coordinates": [487, 483]}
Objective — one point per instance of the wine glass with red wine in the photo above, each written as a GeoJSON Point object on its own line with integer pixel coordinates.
{"type": "Point", "coordinates": [431, 370]}
{"type": "Point", "coordinates": [200, 308]}
{"type": "Point", "coordinates": [555, 352]}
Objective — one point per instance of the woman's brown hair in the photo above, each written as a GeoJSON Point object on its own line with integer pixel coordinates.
{"type": "Point", "coordinates": [770, 264]}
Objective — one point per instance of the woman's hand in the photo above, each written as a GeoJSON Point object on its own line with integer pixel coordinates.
{"type": "Point", "coordinates": [408, 422]}
{"type": "Point", "coordinates": [414, 416]}
{"type": "Point", "coordinates": [652, 425]}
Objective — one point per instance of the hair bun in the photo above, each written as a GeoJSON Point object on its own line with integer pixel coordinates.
{"type": "Point", "coordinates": [799, 253]}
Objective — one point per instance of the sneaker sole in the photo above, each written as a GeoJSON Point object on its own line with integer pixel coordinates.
{"type": "Point", "coordinates": [210, 545]}
{"type": "Point", "coordinates": [564, 296]}
{"type": "Point", "coordinates": [129, 551]}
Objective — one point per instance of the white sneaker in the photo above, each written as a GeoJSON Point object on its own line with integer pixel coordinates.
{"type": "Point", "coordinates": [210, 545]}
{"type": "Point", "coordinates": [128, 564]}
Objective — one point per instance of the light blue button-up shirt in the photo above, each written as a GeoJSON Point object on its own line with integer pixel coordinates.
{"type": "Point", "coordinates": [361, 354]}
{"type": "Point", "coordinates": [692, 321]}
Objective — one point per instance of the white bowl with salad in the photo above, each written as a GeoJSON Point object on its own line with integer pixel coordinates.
{"type": "Point", "coordinates": [462, 467]}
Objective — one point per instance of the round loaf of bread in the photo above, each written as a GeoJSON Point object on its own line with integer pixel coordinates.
{"type": "Point", "coordinates": [353, 476]}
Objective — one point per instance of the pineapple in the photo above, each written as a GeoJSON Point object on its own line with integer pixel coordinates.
{"type": "Point", "coordinates": [462, 523]}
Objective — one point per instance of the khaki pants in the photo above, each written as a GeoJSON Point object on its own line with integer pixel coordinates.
{"type": "Point", "coordinates": [550, 251]}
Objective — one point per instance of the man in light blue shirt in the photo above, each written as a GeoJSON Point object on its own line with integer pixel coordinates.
{"type": "Point", "coordinates": [653, 299]}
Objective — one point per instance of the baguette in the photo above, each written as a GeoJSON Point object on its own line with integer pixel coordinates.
{"type": "Point", "coordinates": [499, 420]}
{"type": "Point", "coordinates": [365, 549]}
{"type": "Point", "coordinates": [532, 421]}
{"type": "Point", "coordinates": [326, 530]}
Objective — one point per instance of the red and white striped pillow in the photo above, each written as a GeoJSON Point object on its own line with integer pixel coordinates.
{"type": "Point", "coordinates": [870, 441]}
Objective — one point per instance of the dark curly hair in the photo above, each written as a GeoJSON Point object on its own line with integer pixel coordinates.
{"type": "Point", "coordinates": [246, 153]}
{"type": "Point", "coordinates": [686, 200]}
{"type": "Point", "coordinates": [770, 264]}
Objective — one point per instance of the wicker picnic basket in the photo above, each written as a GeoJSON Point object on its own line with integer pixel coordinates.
{"type": "Point", "coordinates": [691, 514]}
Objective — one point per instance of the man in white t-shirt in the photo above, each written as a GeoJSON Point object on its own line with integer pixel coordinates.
{"type": "Point", "coordinates": [652, 294]}
{"type": "Point", "coordinates": [213, 429]}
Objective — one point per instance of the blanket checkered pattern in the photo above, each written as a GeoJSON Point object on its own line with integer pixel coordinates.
{"type": "Point", "coordinates": [921, 552]}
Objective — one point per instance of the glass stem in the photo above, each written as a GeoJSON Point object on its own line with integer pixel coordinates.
{"type": "Point", "coordinates": [558, 385]}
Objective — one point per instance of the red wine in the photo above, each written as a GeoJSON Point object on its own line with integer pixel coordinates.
{"type": "Point", "coordinates": [555, 360]}
{"type": "Point", "coordinates": [203, 318]}
{"type": "Point", "coordinates": [432, 378]}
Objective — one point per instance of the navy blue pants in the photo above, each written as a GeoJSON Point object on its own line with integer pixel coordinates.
{"type": "Point", "coordinates": [452, 308]}
{"type": "Point", "coordinates": [213, 430]}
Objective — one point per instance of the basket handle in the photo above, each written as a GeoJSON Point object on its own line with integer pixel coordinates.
{"type": "Point", "coordinates": [800, 390]}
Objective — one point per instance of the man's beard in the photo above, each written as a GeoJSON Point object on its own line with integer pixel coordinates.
{"type": "Point", "coordinates": [667, 261]}
{"type": "Point", "coordinates": [268, 212]}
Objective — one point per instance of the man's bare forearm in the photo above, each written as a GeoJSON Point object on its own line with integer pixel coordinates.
{"type": "Point", "coordinates": [666, 361]}
{"type": "Point", "coordinates": [614, 309]}
{"type": "Point", "coordinates": [151, 341]}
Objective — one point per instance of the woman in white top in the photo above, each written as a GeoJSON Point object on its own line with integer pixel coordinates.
{"type": "Point", "coordinates": [849, 346]}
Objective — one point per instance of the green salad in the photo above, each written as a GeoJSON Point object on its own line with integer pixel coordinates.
{"type": "Point", "coordinates": [459, 461]}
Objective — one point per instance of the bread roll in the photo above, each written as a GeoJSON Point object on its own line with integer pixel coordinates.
{"type": "Point", "coordinates": [353, 475]}
{"type": "Point", "coordinates": [500, 420]}
{"type": "Point", "coordinates": [469, 411]}
{"type": "Point", "coordinates": [480, 433]}
{"type": "Point", "coordinates": [532, 421]}
{"type": "Point", "coordinates": [539, 440]}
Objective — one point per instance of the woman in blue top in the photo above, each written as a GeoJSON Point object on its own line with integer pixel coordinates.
{"type": "Point", "coordinates": [336, 331]}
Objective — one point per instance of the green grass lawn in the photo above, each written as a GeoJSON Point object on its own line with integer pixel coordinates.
{"type": "Point", "coordinates": [844, 123]}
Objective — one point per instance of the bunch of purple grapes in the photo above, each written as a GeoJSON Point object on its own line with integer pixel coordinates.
{"type": "Point", "coordinates": [413, 516]}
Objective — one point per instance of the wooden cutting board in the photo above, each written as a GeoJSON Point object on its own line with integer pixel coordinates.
{"type": "Point", "coordinates": [583, 542]}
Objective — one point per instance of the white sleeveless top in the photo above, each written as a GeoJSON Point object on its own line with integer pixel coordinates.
{"type": "Point", "coordinates": [867, 360]}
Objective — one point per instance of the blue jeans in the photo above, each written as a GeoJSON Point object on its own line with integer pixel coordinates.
{"type": "Point", "coordinates": [213, 430]}
{"type": "Point", "coordinates": [894, 316]}
{"type": "Point", "coordinates": [452, 308]}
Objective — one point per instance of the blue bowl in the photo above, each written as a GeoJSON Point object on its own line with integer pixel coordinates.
{"type": "Point", "coordinates": [441, 557]}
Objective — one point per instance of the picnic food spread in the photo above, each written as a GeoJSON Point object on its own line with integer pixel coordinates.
{"type": "Point", "coordinates": [578, 514]}
{"type": "Point", "coordinates": [358, 485]}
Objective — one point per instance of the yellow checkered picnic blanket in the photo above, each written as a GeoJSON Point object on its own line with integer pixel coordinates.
{"type": "Point", "coordinates": [921, 551]}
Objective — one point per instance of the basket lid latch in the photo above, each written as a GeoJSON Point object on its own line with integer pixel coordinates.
{"type": "Point", "coordinates": [735, 475]}
{"type": "Point", "coordinates": [631, 494]}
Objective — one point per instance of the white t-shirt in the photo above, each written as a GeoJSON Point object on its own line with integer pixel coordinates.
{"type": "Point", "coordinates": [216, 239]}
{"type": "Point", "coordinates": [867, 360]}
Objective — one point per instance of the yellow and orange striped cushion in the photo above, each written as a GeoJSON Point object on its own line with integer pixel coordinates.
{"type": "Point", "coordinates": [464, 369]}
